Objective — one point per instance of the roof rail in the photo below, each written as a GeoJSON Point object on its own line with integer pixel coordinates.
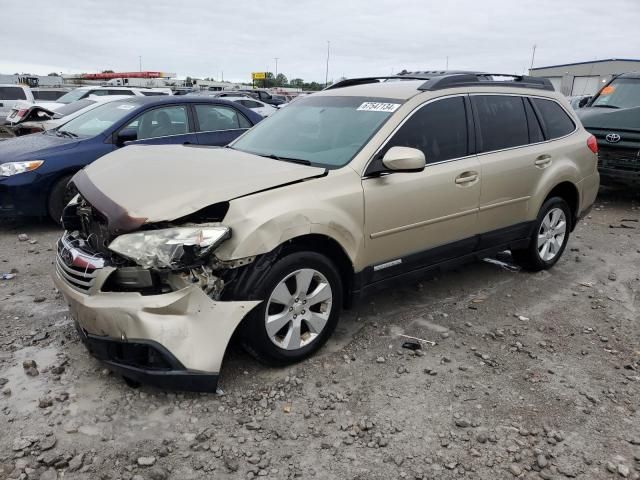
{"type": "Point", "coordinates": [485, 79]}
{"type": "Point", "coordinates": [441, 79]}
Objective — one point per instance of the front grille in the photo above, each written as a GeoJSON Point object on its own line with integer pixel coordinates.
{"type": "Point", "coordinates": [78, 267]}
{"type": "Point", "coordinates": [619, 158]}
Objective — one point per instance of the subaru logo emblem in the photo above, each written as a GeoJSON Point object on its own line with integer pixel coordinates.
{"type": "Point", "coordinates": [67, 257]}
{"type": "Point", "coordinates": [613, 138]}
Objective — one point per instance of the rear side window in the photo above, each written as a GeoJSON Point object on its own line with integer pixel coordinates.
{"type": "Point", "coordinates": [12, 93]}
{"type": "Point", "coordinates": [555, 121]}
{"type": "Point", "coordinates": [217, 117]}
{"type": "Point", "coordinates": [47, 94]}
{"type": "Point", "coordinates": [502, 122]}
{"type": "Point", "coordinates": [439, 129]}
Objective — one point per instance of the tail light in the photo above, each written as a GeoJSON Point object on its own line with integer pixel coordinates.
{"type": "Point", "coordinates": [23, 112]}
{"type": "Point", "coordinates": [592, 143]}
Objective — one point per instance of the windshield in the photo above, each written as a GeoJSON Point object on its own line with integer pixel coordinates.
{"type": "Point", "coordinates": [98, 119]}
{"type": "Point", "coordinates": [322, 130]}
{"type": "Point", "coordinates": [72, 96]}
{"type": "Point", "coordinates": [621, 93]}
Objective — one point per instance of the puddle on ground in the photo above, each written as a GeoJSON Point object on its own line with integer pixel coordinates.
{"type": "Point", "coordinates": [26, 390]}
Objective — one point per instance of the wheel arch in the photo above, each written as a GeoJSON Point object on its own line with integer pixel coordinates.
{"type": "Point", "coordinates": [570, 193]}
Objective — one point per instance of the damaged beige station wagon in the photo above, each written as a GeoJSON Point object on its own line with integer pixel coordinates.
{"type": "Point", "coordinates": [169, 251]}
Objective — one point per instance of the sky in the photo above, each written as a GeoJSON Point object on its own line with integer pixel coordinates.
{"type": "Point", "coordinates": [202, 38]}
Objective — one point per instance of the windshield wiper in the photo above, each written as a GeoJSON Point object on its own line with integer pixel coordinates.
{"type": "Point", "coordinates": [604, 106]}
{"type": "Point", "coordinates": [66, 133]}
{"type": "Point", "coordinates": [288, 159]}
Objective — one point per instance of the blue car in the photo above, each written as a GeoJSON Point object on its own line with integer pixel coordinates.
{"type": "Point", "coordinates": [35, 169]}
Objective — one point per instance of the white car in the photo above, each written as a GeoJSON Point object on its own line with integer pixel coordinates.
{"type": "Point", "coordinates": [10, 94]}
{"type": "Point", "coordinates": [257, 106]}
{"type": "Point", "coordinates": [40, 119]}
{"type": "Point", "coordinates": [105, 90]}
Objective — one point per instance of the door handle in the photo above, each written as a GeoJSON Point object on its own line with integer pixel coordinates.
{"type": "Point", "coordinates": [466, 177]}
{"type": "Point", "coordinates": [186, 143]}
{"type": "Point", "coordinates": [543, 161]}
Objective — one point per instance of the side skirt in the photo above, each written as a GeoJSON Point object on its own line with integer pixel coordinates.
{"type": "Point", "coordinates": [446, 257]}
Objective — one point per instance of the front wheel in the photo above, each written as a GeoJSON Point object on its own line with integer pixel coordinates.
{"type": "Point", "coordinates": [549, 236]}
{"type": "Point", "coordinates": [61, 194]}
{"type": "Point", "coordinates": [302, 299]}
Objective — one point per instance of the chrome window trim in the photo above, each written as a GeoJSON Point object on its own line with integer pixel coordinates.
{"type": "Point", "coordinates": [226, 130]}
{"type": "Point", "coordinates": [575, 124]}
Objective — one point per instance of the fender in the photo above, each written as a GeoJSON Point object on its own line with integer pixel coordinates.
{"type": "Point", "coordinates": [263, 221]}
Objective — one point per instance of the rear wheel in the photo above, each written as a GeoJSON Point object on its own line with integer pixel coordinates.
{"type": "Point", "coordinates": [302, 298]}
{"type": "Point", "coordinates": [61, 194]}
{"type": "Point", "coordinates": [549, 237]}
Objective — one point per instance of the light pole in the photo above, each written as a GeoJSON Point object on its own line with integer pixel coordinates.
{"type": "Point", "coordinates": [276, 75]}
{"type": "Point", "coordinates": [326, 75]}
{"type": "Point", "coordinates": [140, 62]}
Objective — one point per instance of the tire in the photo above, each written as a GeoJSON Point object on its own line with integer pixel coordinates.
{"type": "Point", "coordinates": [59, 197]}
{"type": "Point", "coordinates": [294, 313]}
{"type": "Point", "coordinates": [552, 228]}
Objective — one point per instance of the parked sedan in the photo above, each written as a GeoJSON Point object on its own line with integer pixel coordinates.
{"type": "Point", "coordinates": [35, 169]}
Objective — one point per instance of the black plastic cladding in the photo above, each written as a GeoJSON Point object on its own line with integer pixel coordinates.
{"type": "Point", "coordinates": [439, 80]}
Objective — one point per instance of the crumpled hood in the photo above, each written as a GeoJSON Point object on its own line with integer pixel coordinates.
{"type": "Point", "coordinates": [151, 183]}
{"type": "Point", "coordinates": [34, 147]}
{"type": "Point", "coordinates": [610, 118]}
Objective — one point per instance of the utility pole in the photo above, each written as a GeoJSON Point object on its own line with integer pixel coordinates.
{"type": "Point", "coordinates": [326, 75]}
{"type": "Point", "coordinates": [140, 62]}
{"type": "Point", "coordinates": [276, 76]}
{"type": "Point", "coordinates": [533, 56]}
{"type": "Point", "coordinates": [447, 67]}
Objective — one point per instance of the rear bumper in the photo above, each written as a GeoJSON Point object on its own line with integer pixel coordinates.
{"type": "Point", "coordinates": [148, 362]}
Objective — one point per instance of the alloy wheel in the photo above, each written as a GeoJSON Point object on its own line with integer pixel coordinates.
{"type": "Point", "coordinates": [298, 309]}
{"type": "Point", "coordinates": [551, 234]}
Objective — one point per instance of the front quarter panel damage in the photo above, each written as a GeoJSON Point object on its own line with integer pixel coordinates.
{"type": "Point", "coordinates": [331, 206]}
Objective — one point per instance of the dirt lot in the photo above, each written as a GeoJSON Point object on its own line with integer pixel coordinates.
{"type": "Point", "coordinates": [533, 376]}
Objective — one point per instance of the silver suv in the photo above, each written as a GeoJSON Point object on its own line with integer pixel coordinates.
{"type": "Point", "coordinates": [170, 250]}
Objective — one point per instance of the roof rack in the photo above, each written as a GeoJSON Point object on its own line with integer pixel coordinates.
{"type": "Point", "coordinates": [441, 79]}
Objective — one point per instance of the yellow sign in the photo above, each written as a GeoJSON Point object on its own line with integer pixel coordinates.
{"type": "Point", "coordinates": [258, 75]}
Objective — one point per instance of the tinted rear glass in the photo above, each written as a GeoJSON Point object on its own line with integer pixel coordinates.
{"type": "Point", "coordinates": [12, 93]}
{"type": "Point", "coordinates": [502, 122]}
{"type": "Point", "coordinates": [555, 121]}
{"type": "Point", "coordinates": [47, 94]}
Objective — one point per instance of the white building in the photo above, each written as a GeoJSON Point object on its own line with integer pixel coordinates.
{"type": "Point", "coordinates": [584, 78]}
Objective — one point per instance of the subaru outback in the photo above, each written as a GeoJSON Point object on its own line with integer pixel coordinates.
{"type": "Point", "coordinates": [169, 251]}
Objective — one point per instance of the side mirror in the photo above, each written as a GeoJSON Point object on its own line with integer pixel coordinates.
{"type": "Point", "coordinates": [126, 135]}
{"type": "Point", "coordinates": [404, 159]}
{"type": "Point", "coordinates": [584, 101]}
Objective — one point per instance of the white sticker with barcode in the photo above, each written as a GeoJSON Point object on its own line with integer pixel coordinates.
{"type": "Point", "coordinates": [378, 107]}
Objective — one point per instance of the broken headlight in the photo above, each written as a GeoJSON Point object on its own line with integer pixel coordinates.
{"type": "Point", "coordinates": [170, 247]}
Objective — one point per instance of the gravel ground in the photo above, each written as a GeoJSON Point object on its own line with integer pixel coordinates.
{"type": "Point", "coordinates": [532, 376]}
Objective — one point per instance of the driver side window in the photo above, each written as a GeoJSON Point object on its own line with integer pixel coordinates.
{"type": "Point", "coordinates": [160, 122]}
{"type": "Point", "coordinates": [439, 129]}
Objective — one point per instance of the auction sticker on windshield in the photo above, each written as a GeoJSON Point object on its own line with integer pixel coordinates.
{"type": "Point", "coordinates": [378, 107]}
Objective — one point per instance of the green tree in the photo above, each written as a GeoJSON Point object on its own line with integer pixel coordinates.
{"type": "Point", "coordinates": [296, 82]}
{"type": "Point", "coordinates": [281, 80]}
{"type": "Point", "coordinates": [108, 71]}
{"type": "Point", "coordinates": [53, 74]}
